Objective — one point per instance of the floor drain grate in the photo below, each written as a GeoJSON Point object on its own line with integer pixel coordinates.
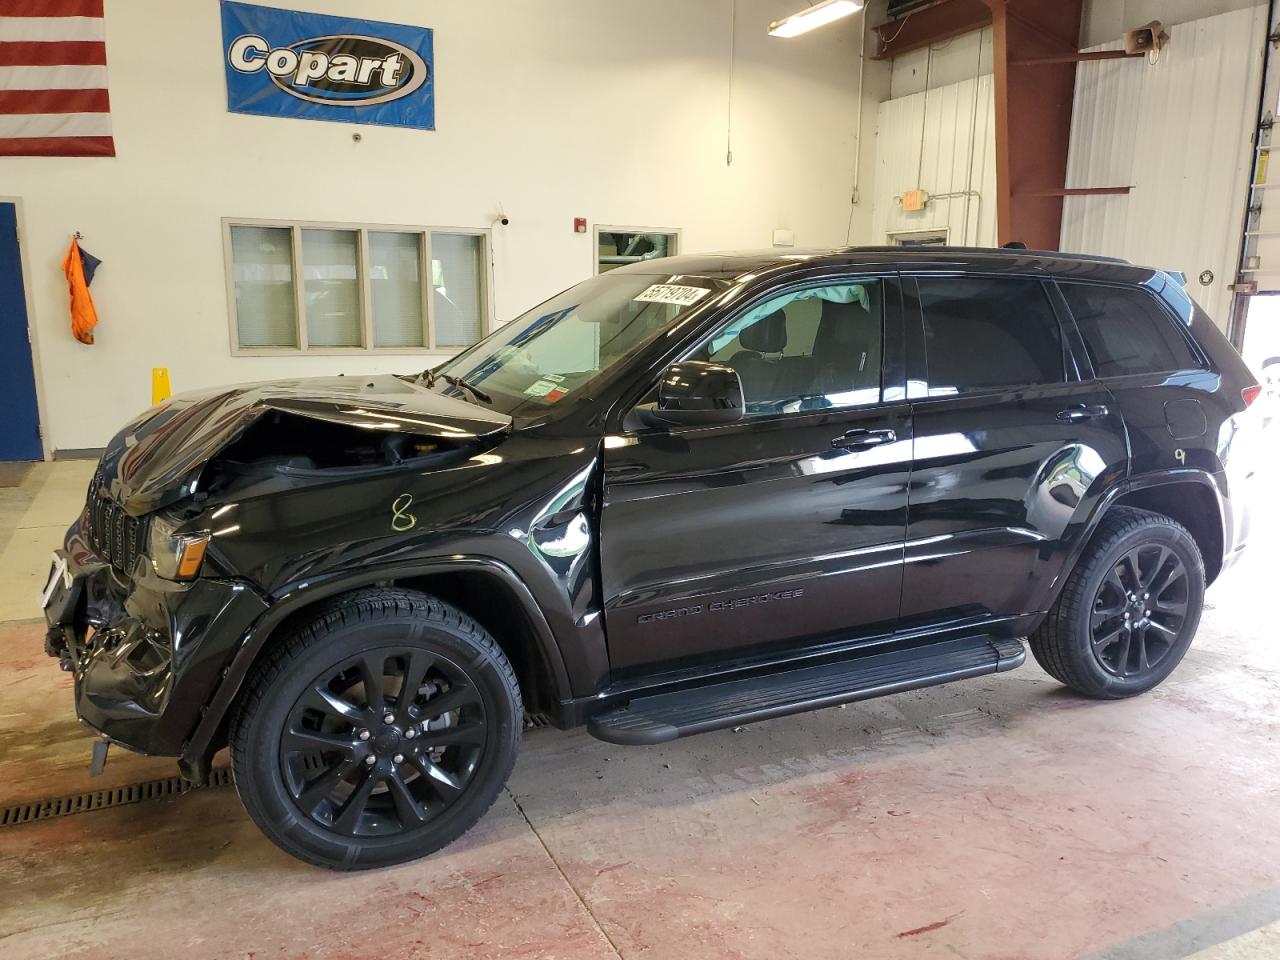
{"type": "Point", "coordinates": [102, 799]}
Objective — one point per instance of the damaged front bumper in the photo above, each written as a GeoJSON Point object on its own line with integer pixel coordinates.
{"type": "Point", "coordinates": [146, 653]}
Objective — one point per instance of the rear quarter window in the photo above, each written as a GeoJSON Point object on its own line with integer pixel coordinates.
{"type": "Point", "coordinates": [1126, 332]}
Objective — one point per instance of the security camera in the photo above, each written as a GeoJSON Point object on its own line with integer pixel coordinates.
{"type": "Point", "coordinates": [504, 220]}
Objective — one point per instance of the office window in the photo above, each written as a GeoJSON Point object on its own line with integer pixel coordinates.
{"type": "Point", "coordinates": [307, 287]}
{"type": "Point", "coordinates": [919, 238]}
{"type": "Point", "coordinates": [1126, 332]}
{"type": "Point", "coordinates": [619, 246]}
{"type": "Point", "coordinates": [457, 283]}
{"type": "Point", "coordinates": [331, 287]}
{"type": "Point", "coordinates": [395, 289]}
{"type": "Point", "coordinates": [262, 272]}
{"type": "Point", "coordinates": [986, 333]}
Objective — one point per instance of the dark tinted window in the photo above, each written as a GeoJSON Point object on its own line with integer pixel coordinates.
{"type": "Point", "coordinates": [1126, 332]}
{"type": "Point", "coordinates": [983, 333]}
{"type": "Point", "coordinates": [807, 349]}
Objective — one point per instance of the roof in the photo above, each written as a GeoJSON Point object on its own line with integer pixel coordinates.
{"type": "Point", "coordinates": [978, 259]}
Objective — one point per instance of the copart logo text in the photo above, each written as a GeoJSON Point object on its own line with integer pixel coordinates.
{"type": "Point", "coordinates": [340, 71]}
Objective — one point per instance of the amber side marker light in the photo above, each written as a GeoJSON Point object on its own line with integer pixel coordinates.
{"type": "Point", "coordinates": [1250, 394]}
{"type": "Point", "coordinates": [191, 558]}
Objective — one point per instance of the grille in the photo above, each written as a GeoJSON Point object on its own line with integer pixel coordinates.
{"type": "Point", "coordinates": [115, 536]}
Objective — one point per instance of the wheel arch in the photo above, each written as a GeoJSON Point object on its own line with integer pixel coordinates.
{"type": "Point", "coordinates": [1192, 501]}
{"type": "Point", "coordinates": [1191, 497]}
{"type": "Point", "coordinates": [485, 589]}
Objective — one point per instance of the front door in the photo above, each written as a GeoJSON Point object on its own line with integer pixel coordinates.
{"type": "Point", "coordinates": [783, 529]}
{"type": "Point", "coordinates": [20, 423]}
{"type": "Point", "coordinates": [1012, 448]}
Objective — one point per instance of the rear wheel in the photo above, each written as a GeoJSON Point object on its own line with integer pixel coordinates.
{"type": "Point", "coordinates": [377, 732]}
{"type": "Point", "coordinates": [1129, 610]}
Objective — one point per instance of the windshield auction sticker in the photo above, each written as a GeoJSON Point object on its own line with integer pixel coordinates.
{"type": "Point", "coordinates": [672, 293]}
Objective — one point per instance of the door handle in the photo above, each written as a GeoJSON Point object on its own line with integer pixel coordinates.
{"type": "Point", "coordinates": [1083, 411]}
{"type": "Point", "coordinates": [862, 439]}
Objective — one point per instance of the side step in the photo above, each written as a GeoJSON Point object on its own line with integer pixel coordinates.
{"type": "Point", "coordinates": [682, 713]}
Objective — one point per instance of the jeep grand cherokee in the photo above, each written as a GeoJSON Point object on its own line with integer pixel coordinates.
{"type": "Point", "coordinates": [687, 494]}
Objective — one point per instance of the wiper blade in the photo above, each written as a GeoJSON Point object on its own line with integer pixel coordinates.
{"type": "Point", "coordinates": [427, 376]}
{"type": "Point", "coordinates": [469, 387]}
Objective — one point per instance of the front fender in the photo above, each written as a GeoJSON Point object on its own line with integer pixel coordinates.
{"type": "Point", "coordinates": [199, 748]}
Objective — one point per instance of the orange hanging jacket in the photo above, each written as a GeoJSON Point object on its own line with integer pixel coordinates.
{"type": "Point", "coordinates": [83, 315]}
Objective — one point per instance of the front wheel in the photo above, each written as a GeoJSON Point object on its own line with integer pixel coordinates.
{"type": "Point", "coordinates": [377, 732]}
{"type": "Point", "coordinates": [1129, 610]}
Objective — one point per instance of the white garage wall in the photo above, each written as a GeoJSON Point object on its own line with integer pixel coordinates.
{"type": "Point", "coordinates": [615, 112]}
{"type": "Point", "coordinates": [942, 142]}
{"type": "Point", "coordinates": [1179, 132]}
{"type": "Point", "coordinates": [960, 58]}
{"type": "Point", "coordinates": [1106, 20]}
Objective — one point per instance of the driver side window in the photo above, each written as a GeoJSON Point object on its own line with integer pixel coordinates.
{"type": "Point", "coordinates": [811, 348]}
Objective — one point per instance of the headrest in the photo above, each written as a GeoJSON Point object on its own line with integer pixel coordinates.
{"type": "Point", "coordinates": [767, 335]}
{"type": "Point", "coordinates": [843, 324]}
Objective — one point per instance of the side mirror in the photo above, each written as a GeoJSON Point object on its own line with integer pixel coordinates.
{"type": "Point", "coordinates": [695, 393]}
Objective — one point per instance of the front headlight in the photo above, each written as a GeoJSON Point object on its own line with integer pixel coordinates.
{"type": "Point", "coordinates": [175, 556]}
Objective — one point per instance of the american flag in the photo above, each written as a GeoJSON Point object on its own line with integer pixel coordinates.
{"type": "Point", "coordinates": [53, 79]}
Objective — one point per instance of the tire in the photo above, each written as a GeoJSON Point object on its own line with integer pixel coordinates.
{"type": "Point", "coordinates": [1102, 638]}
{"type": "Point", "coordinates": [345, 768]}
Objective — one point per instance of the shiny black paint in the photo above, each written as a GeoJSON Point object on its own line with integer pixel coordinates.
{"type": "Point", "coordinates": [695, 393]}
{"type": "Point", "coordinates": [585, 526]}
{"type": "Point", "coordinates": [746, 513]}
{"type": "Point", "coordinates": [1002, 483]}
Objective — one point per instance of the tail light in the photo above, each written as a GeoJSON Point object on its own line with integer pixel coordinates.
{"type": "Point", "coordinates": [1250, 394]}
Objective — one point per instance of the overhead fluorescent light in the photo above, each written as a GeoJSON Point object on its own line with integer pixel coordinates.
{"type": "Point", "coordinates": [820, 14]}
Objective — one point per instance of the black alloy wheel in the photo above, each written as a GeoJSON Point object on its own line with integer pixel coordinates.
{"type": "Point", "coordinates": [1129, 609]}
{"type": "Point", "coordinates": [383, 742]}
{"type": "Point", "coordinates": [377, 730]}
{"type": "Point", "coordinates": [1139, 611]}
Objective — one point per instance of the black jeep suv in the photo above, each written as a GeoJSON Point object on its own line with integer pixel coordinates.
{"type": "Point", "coordinates": [686, 494]}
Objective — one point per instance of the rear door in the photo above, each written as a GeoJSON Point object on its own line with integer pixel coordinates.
{"type": "Point", "coordinates": [20, 422]}
{"type": "Point", "coordinates": [1155, 372]}
{"type": "Point", "coordinates": [781, 530]}
{"type": "Point", "coordinates": [1012, 447]}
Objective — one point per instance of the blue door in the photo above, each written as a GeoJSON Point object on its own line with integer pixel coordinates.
{"type": "Point", "coordinates": [19, 416]}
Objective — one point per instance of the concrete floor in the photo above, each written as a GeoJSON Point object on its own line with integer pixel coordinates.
{"type": "Point", "coordinates": [999, 818]}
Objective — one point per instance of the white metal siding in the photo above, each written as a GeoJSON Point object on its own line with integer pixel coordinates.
{"type": "Point", "coordinates": [923, 141]}
{"type": "Point", "coordinates": [1179, 132]}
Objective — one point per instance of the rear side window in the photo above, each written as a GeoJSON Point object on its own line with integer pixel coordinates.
{"type": "Point", "coordinates": [1126, 332]}
{"type": "Point", "coordinates": [984, 333]}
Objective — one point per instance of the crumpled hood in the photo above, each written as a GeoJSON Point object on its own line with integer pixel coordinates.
{"type": "Point", "coordinates": [157, 458]}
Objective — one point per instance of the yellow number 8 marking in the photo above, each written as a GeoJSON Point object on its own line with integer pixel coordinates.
{"type": "Point", "coordinates": [401, 518]}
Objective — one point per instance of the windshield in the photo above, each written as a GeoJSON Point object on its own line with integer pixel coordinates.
{"type": "Point", "coordinates": [562, 345]}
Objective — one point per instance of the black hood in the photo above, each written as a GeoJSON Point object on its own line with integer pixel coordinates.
{"type": "Point", "coordinates": [157, 458]}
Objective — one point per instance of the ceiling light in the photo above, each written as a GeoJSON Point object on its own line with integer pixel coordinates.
{"type": "Point", "coordinates": [817, 15]}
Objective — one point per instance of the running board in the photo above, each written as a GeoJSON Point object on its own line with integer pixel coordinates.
{"type": "Point", "coordinates": [667, 716]}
